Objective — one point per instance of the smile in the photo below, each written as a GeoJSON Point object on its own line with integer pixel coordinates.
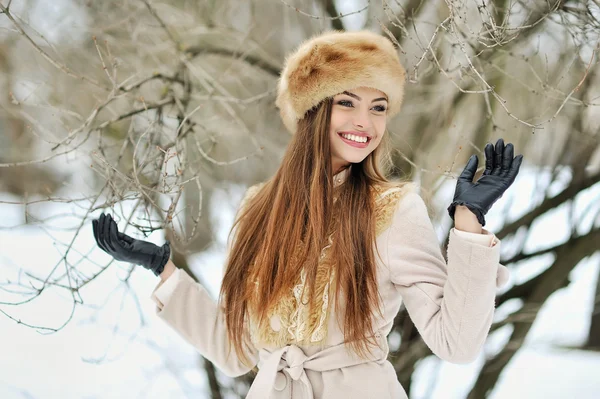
{"type": "Point", "coordinates": [354, 140]}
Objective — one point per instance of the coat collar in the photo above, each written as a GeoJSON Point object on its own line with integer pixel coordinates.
{"type": "Point", "coordinates": [341, 177]}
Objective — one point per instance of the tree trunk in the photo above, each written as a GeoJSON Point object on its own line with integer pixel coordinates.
{"type": "Point", "coordinates": [594, 335]}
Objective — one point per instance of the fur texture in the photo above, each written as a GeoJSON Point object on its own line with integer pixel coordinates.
{"type": "Point", "coordinates": [334, 61]}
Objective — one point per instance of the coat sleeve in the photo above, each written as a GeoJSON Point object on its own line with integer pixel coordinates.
{"type": "Point", "coordinates": [187, 308]}
{"type": "Point", "coordinates": [451, 303]}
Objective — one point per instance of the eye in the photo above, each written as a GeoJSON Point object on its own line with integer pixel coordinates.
{"type": "Point", "coordinates": [345, 103]}
{"type": "Point", "coordinates": [380, 108]}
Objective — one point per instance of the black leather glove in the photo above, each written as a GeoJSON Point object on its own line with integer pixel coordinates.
{"type": "Point", "coordinates": [127, 249]}
{"type": "Point", "coordinates": [501, 169]}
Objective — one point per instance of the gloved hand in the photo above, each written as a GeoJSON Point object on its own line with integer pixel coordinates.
{"type": "Point", "coordinates": [501, 169]}
{"type": "Point", "coordinates": [127, 249]}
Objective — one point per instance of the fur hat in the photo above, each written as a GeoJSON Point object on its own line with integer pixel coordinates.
{"type": "Point", "coordinates": [334, 61]}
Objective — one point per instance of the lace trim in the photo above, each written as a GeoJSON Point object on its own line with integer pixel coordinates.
{"type": "Point", "coordinates": [298, 329]}
{"type": "Point", "coordinates": [297, 325]}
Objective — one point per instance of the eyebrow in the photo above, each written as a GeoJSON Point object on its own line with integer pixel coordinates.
{"type": "Point", "coordinates": [359, 99]}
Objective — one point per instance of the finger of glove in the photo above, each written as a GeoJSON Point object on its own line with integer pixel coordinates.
{"type": "Point", "coordinates": [96, 229]}
{"type": "Point", "coordinates": [469, 171]}
{"type": "Point", "coordinates": [508, 159]}
{"type": "Point", "coordinates": [514, 168]}
{"type": "Point", "coordinates": [113, 238]}
{"type": "Point", "coordinates": [100, 231]}
{"type": "Point", "coordinates": [105, 234]}
{"type": "Point", "coordinates": [498, 156]}
{"type": "Point", "coordinates": [125, 241]}
{"type": "Point", "coordinates": [125, 238]}
{"type": "Point", "coordinates": [489, 159]}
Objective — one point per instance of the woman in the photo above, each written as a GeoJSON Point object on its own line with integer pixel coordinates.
{"type": "Point", "coordinates": [326, 251]}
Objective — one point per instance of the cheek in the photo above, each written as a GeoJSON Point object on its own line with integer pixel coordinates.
{"type": "Point", "coordinates": [380, 128]}
{"type": "Point", "coordinates": [335, 120]}
{"type": "Point", "coordinates": [378, 141]}
{"type": "Point", "coordinates": [335, 124]}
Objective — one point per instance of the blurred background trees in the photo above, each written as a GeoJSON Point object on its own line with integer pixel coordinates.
{"type": "Point", "coordinates": [159, 103]}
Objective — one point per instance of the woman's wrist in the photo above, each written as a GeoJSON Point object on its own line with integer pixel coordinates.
{"type": "Point", "coordinates": [465, 220]}
{"type": "Point", "coordinates": [168, 270]}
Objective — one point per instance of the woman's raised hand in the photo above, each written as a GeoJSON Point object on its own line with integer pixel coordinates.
{"type": "Point", "coordinates": [127, 249]}
{"type": "Point", "coordinates": [501, 169]}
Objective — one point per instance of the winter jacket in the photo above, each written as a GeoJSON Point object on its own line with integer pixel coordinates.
{"type": "Point", "coordinates": [304, 356]}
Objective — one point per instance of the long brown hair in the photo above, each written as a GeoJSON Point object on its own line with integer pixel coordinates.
{"type": "Point", "coordinates": [296, 205]}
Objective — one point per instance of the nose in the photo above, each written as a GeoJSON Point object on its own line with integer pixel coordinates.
{"type": "Point", "coordinates": [362, 119]}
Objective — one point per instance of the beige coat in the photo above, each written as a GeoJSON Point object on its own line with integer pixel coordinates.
{"type": "Point", "coordinates": [451, 304]}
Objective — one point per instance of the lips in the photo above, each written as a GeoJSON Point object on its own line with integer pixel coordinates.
{"type": "Point", "coordinates": [354, 143]}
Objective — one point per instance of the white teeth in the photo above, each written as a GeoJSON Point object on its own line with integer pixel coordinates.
{"type": "Point", "coordinates": [354, 138]}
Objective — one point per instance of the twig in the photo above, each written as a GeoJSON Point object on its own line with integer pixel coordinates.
{"type": "Point", "coordinates": [102, 60]}
{"type": "Point", "coordinates": [328, 18]}
{"type": "Point", "coordinates": [56, 64]}
{"type": "Point", "coordinates": [162, 23]}
{"type": "Point", "coordinates": [587, 70]}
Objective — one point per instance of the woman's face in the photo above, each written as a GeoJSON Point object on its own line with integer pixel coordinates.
{"type": "Point", "coordinates": [356, 115]}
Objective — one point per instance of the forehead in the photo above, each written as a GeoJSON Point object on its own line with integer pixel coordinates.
{"type": "Point", "coordinates": [366, 92]}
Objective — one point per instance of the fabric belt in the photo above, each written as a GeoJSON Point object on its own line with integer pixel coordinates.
{"type": "Point", "coordinates": [294, 362]}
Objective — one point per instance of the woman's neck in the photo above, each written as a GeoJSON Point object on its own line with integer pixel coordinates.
{"type": "Point", "coordinates": [341, 169]}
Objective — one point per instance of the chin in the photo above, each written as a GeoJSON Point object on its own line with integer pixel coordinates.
{"type": "Point", "coordinates": [354, 159]}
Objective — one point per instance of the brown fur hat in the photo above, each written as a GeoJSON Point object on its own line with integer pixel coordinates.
{"type": "Point", "coordinates": [334, 61]}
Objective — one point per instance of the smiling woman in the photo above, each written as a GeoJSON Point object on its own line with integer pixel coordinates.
{"type": "Point", "coordinates": [324, 253]}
